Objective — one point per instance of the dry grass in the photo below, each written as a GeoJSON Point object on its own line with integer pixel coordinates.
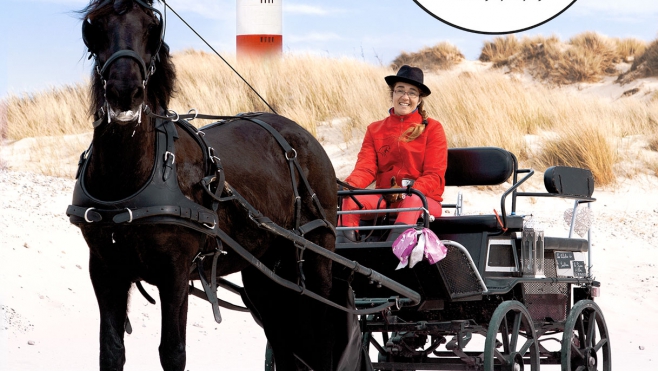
{"type": "Point", "coordinates": [586, 146]}
{"type": "Point", "coordinates": [477, 109]}
{"type": "Point", "coordinates": [57, 111]}
{"type": "Point", "coordinates": [442, 56]}
{"type": "Point", "coordinates": [307, 89]}
{"type": "Point", "coordinates": [500, 50]}
{"type": "Point", "coordinates": [586, 57]}
{"type": "Point", "coordinates": [648, 61]}
{"type": "Point", "coordinates": [629, 49]}
{"type": "Point", "coordinates": [653, 143]}
{"type": "Point", "coordinates": [488, 109]}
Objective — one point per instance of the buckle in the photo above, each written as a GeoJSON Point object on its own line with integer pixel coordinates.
{"type": "Point", "coordinates": [86, 216]}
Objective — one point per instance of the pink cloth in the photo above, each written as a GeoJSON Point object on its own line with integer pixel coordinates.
{"type": "Point", "coordinates": [412, 245]}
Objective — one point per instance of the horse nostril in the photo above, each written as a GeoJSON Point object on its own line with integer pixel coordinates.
{"type": "Point", "coordinates": [138, 94]}
{"type": "Point", "coordinates": [112, 95]}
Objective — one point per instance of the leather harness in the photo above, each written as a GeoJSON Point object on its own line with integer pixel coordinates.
{"type": "Point", "coordinates": [160, 201]}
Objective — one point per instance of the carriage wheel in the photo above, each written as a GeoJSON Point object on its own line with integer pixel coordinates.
{"type": "Point", "coordinates": [585, 341]}
{"type": "Point", "coordinates": [269, 357]}
{"type": "Point", "coordinates": [511, 342]}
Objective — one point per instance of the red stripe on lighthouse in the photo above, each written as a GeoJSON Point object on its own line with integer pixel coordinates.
{"type": "Point", "coordinates": [259, 45]}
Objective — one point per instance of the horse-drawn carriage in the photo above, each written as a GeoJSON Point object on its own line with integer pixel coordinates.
{"type": "Point", "coordinates": [528, 297]}
{"type": "Point", "coordinates": [154, 198]}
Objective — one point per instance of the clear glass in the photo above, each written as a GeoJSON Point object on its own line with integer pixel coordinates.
{"type": "Point", "coordinates": [532, 252]}
{"type": "Point", "coordinates": [411, 94]}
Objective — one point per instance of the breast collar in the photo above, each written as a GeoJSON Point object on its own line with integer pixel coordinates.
{"type": "Point", "coordinates": [160, 200]}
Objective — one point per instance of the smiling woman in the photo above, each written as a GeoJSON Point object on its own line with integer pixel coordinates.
{"type": "Point", "coordinates": [406, 145]}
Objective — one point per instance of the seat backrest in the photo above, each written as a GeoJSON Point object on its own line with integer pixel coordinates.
{"type": "Point", "coordinates": [478, 166]}
{"type": "Point", "coordinates": [569, 181]}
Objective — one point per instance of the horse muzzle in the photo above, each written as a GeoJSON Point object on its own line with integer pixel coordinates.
{"type": "Point", "coordinates": [124, 117]}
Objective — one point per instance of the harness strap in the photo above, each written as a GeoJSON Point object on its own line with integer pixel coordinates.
{"type": "Point", "coordinates": [313, 196]}
{"type": "Point", "coordinates": [291, 156]}
{"type": "Point", "coordinates": [211, 291]}
{"type": "Point", "coordinates": [183, 212]}
{"type": "Point", "coordinates": [89, 214]}
{"type": "Point", "coordinates": [317, 223]}
{"type": "Point", "coordinates": [94, 215]}
{"type": "Point", "coordinates": [123, 54]}
{"type": "Point", "coordinates": [144, 293]}
{"type": "Point", "coordinates": [169, 155]}
{"type": "Point", "coordinates": [288, 284]}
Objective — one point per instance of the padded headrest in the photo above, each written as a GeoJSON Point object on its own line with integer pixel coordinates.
{"type": "Point", "coordinates": [475, 166]}
{"type": "Point", "coordinates": [570, 181]}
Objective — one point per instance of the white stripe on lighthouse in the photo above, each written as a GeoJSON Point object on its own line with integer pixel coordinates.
{"type": "Point", "coordinates": [259, 17]}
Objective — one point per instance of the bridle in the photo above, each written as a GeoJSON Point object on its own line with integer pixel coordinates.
{"type": "Point", "coordinates": [101, 70]}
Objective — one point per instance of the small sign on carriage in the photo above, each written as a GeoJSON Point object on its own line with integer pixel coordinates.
{"type": "Point", "coordinates": [570, 264]}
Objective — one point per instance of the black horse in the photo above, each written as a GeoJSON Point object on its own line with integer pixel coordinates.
{"type": "Point", "coordinates": [134, 75]}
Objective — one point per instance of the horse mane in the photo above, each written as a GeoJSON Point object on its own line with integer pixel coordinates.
{"type": "Point", "coordinates": [161, 86]}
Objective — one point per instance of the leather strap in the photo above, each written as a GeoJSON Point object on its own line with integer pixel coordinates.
{"type": "Point", "coordinates": [198, 215]}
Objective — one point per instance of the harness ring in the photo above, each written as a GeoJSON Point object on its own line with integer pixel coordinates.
{"type": "Point", "coordinates": [174, 116]}
{"type": "Point", "coordinates": [130, 213]}
{"type": "Point", "coordinates": [86, 217]}
{"type": "Point", "coordinates": [173, 157]}
{"type": "Point", "coordinates": [291, 158]}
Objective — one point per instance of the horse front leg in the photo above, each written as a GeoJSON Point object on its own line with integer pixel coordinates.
{"type": "Point", "coordinates": [111, 288]}
{"type": "Point", "coordinates": [174, 300]}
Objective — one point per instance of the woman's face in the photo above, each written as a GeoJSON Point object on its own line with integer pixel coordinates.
{"type": "Point", "coordinates": [405, 98]}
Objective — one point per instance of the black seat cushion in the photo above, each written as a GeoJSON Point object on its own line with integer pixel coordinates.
{"type": "Point", "coordinates": [474, 223]}
{"type": "Point", "coordinates": [478, 166]}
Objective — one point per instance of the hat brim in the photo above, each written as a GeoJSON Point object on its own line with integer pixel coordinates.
{"type": "Point", "coordinates": [391, 80]}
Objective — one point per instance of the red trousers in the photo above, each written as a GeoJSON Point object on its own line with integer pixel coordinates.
{"type": "Point", "coordinates": [370, 202]}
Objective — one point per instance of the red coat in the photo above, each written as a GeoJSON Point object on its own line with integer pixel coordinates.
{"type": "Point", "coordinates": [384, 155]}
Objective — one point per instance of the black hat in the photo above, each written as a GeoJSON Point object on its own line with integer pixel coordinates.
{"type": "Point", "coordinates": [410, 75]}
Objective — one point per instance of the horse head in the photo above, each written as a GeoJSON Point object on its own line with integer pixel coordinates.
{"type": "Point", "coordinates": [132, 66]}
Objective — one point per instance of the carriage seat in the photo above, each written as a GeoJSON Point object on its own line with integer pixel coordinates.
{"type": "Point", "coordinates": [477, 166]}
{"type": "Point", "coordinates": [474, 223]}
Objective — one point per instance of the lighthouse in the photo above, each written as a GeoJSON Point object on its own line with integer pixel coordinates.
{"type": "Point", "coordinates": [259, 28]}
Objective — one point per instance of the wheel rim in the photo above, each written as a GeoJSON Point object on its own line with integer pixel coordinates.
{"type": "Point", "coordinates": [585, 342]}
{"type": "Point", "coordinates": [511, 343]}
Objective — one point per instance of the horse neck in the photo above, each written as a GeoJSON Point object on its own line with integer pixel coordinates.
{"type": "Point", "coordinates": [122, 159]}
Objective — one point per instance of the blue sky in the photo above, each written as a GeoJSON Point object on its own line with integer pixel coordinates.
{"type": "Point", "coordinates": [41, 46]}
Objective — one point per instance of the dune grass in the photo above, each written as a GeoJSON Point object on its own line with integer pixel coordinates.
{"type": "Point", "coordinates": [629, 49]}
{"type": "Point", "coordinates": [56, 111]}
{"type": "Point", "coordinates": [476, 108]}
{"type": "Point", "coordinates": [648, 60]}
{"type": "Point", "coordinates": [500, 50]}
{"type": "Point", "coordinates": [441, 56]}
{"type": "Point", "coordinates": [586, 57]}
{"type": "Point", "coordinates": [585, 146]}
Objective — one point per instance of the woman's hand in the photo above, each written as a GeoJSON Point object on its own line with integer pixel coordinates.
{"type": "Point", "coordinates": [393, 197]}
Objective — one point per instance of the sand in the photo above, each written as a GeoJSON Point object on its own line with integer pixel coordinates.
{"type": "Point", "coordinates": [50, 318]}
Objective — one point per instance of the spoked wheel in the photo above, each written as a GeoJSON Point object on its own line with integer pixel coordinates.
{"type": "Point", "coordinates": [269, 357]}
{"type": "Point", "coordinates": [585, 341]}
{"type": "Point", "coordinates": [511, 343]}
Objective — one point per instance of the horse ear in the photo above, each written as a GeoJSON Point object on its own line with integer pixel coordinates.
{"type": "Point", "coordinates": [89, 35]}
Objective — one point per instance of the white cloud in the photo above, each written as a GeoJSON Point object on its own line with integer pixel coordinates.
{"type": "Point", "coordinates": [324, 36]}
{"type": "Point", "coordinates": [211, 9]}
{"type": "Point", "coordinates": [304, 9]}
